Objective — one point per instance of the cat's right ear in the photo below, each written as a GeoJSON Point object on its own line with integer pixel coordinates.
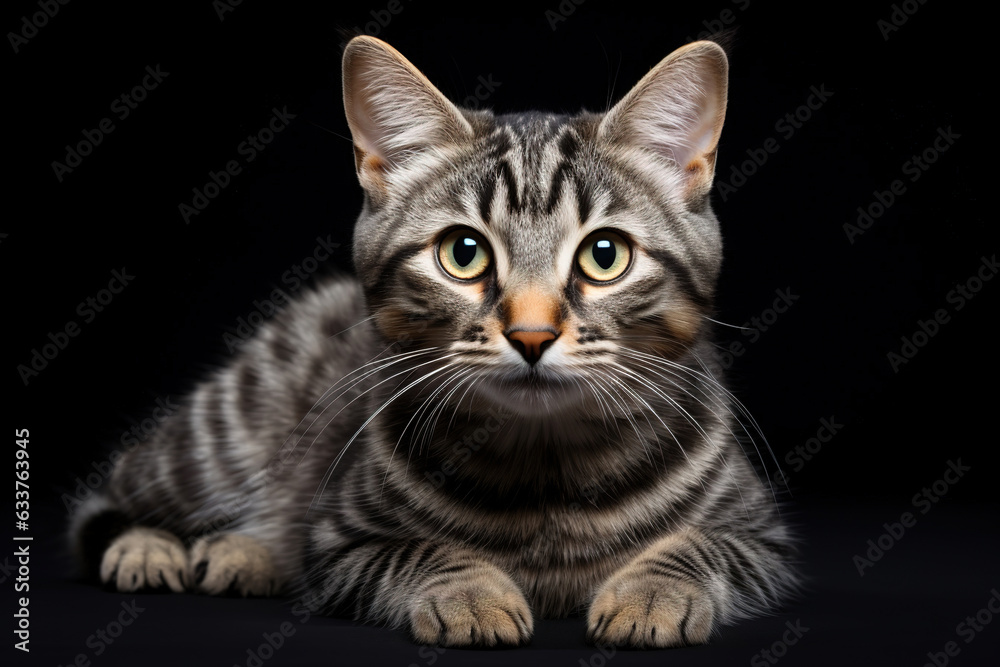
{"type": "Point", "coordinates": [395, 113]}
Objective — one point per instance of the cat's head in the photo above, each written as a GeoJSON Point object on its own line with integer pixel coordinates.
{"type": "Point", "coordinates": [538, 251]}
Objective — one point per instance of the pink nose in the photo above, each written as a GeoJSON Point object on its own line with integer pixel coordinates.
{"type": "Point", "coordinates": [531, 344]}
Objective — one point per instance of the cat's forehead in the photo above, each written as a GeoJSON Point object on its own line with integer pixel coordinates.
{"type": "Point", "coordinates": [527, 188]}
{"type": "Point", "coordinates": [544, 175]}
{"type": "Point", "coordinates": [533, 129]}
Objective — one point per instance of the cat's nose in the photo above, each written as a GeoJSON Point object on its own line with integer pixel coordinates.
{"type": "Point", "coordinates": [531, 344]}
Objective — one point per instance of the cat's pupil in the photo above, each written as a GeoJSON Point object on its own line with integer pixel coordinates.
{"type": "Point", "coordinates": [465, 251]}
{"type": "Point", "coordinates": [604, 253]}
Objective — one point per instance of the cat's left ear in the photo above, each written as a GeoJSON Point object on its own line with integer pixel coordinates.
{"type": "Point", "coordinates": [677, 111]}
{"type": "Point", "coordinates": [395, 113]}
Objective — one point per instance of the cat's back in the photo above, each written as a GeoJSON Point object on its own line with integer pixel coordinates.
{"type": "Point", "coordinates": [307, 353]}
{"type": "Point", "coordinates": [292, 391]}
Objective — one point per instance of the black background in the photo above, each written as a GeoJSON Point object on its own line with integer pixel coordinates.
{"type": "Point", "coordinates": [825, 358]}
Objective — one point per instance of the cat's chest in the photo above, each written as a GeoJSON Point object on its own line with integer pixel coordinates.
{"type": "Point", "coordinates": [562, 561]}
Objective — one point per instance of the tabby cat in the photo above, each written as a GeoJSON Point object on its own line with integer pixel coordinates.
{"type": "Point", "coordinates": [512, 412]}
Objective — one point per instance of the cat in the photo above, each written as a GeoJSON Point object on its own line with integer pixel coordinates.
{"type": "Point", "coordinates": [511, 412]}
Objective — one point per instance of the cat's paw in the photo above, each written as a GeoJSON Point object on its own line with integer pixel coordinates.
{"type": "Point", "coordinates": [233, 564]}
{"type": "Point", "coordinates": [648, 610]}
{"type": "Point", "coordinates": [145, 558]}
{"type": "Point", "coordinates": [478, 606]}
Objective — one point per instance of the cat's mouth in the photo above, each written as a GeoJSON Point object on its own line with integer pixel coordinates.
{"type": "Point", "coordinates": [534, 392]}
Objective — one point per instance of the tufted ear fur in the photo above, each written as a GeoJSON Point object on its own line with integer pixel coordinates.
{"type": "Point", "coordinates": [393, 111]}
{"type": "Point", "coordinates": [676, 111]}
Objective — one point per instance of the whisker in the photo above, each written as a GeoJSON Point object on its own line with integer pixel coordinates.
{"type": "Point", "coordinates": [694, 422]}
{"type": "Point", "coordinates": [427, 428]}
{"type": "Point", "coordinates": [415, 416]}
{"type": "Point", "coordinates": [330, 399]}
{"type": "Point", "coordinates": [435, 415]}
{"type": "Point", "coordinates": [454, 414]}
{"type": "Point", "coordinates": [356, 324]}
{"type": "Point", "coordinates": [728, 325]}
{"type": "Point", "coordinates": [375, 413]}
{"type": "Point", "coordinates": [635, 425]}
{"type": "Point", "coordinates": [709, 381]}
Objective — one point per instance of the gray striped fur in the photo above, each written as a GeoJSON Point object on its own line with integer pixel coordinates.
{"type": "Point", "coordinates": [381, 443]}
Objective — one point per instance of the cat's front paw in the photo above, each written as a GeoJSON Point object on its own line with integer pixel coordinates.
{"type": "Point", "coordinates": [478, 606]}
{"type": "Point", "coordinates": [649, 611]}
{"type": "Point", "coordinates": [233, 564]}
{"type": "Point", "coordinates": [145, 558]}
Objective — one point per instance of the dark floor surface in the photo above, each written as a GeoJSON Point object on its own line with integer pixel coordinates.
{"type": "Point", "coordinates": [908, 603]}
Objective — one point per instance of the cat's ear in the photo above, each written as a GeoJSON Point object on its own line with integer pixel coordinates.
{"type": "Point", "coordinates": [393, 111]}
{"type": "Point", "coordinates": [676, 111]}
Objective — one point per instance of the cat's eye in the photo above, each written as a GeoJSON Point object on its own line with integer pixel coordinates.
{"type": "Point", "coordinates": [464, 254]}
{"type": "Point", "coordinates": [603, 256]}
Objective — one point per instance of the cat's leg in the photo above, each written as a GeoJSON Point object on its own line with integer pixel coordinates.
{"type": "Point", "coordinates": [677, 590]}
{"type": "Point", "coordinates": [142, 557]}
{"type": "Point", "coordinates": [129, 557]}
{"type": "Point", "coordinates": [444, 594]}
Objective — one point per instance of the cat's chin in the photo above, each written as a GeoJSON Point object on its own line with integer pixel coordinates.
{"type": "Point", "coordinates": [536, 394]}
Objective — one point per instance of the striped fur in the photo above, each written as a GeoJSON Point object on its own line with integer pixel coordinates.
{"type": "Point", "coordinates": [385, 445]}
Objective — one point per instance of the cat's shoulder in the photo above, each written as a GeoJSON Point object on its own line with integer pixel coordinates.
{"type": "Point", "coordinates": [332, 309]}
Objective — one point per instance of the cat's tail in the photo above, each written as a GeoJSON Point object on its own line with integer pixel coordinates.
{"type": "Point", "coordinates": [93, 526]}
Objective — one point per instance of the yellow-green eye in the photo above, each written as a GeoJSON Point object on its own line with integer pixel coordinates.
{"type": "Point", "coordinates": [465, 254]}
{"type": "Point", "coordinates": [603, 256]}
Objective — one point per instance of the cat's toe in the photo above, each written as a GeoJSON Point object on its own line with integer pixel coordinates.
{"type": "Point", "coordinates": [481, 606]}
{"type": "Point", "coordinates": [233, 565]}
{"type": "Point", "coordinates": [145, 558]}
{"type": "Point", "coordinates": [650, 612]}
